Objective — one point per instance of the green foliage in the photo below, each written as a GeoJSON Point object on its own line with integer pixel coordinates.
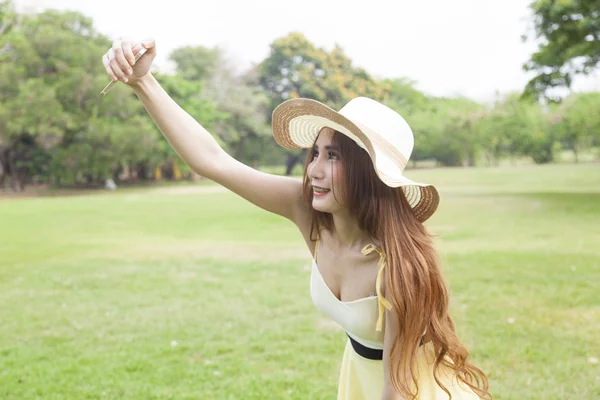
{"type": "Point", "coordinates": [196, 63]}
{"type": "Point", "coordinates": [569, 35]}
{"type": "Point", "coordinates": [47, 89]}
{"type": "Point", "coordinates": [56, 128]}
{"type": "Point", "coordinates": [240, 124]}
{"type": "Point", "coordinates": [576, 121]}
{"type": "Point", "coordinates": [7, 16]}
{"type": "Point", "coordinates": [296, 68]}
{"type": "Point", "coordinates": [444, 128]}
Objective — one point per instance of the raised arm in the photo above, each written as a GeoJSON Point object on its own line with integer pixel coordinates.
{"type": "Point", "coordinates": [194, 144]}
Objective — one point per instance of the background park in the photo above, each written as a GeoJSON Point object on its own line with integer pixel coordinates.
{"type": "Point", "coordinates": [171, 287]}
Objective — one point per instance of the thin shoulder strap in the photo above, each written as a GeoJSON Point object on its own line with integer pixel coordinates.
{"type": "Point", "coordinates": [368, 249]}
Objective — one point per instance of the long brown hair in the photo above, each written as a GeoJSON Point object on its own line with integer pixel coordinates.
{"type": "Point", "coordinates": [414, 284]}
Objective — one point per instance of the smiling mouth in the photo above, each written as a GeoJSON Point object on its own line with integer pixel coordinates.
{"type": "Point", "coordinates": [320, 190]}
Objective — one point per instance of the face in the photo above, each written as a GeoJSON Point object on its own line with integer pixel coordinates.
{"type": "Point", "coordinates": [325, 173]}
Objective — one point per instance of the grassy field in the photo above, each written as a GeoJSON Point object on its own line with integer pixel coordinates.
{"type": "Point", "coordinates": [191, 293]}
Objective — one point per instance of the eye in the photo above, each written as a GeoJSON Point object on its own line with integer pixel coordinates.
{"type": "Point", "coordinates": [315, 153]}
{"type": "Point", "coordinates": [333, 155]}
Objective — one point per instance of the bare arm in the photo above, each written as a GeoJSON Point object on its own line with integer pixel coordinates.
{"type": "Point", "coordinates": [391, 332]}
{"type": "Point", "coordinates": [195, 145]}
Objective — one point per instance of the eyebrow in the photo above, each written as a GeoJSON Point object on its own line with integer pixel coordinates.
{"type": "Point", "coordinates": [328, 147]}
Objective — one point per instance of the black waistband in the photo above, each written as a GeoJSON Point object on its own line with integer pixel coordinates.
{"type": "Point", "coordinates": [366, 352]}
{"type": "Point", "coordinates": [369, 353]}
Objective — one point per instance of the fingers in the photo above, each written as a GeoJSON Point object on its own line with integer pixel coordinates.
{"type": "Point", "coordinates": [136, 48]}
{"type": "Point", "coordinates": [128, 52]}
{"type": "Point", "coordinates": [120, 58]}
{"type": "Point", "coordinates": [116, 67]}
{"type": "Point", "coordinates": [109, 71]}
{"type": "Point", "coordinates": [149, 44]}
{"type": "Point", "coordinates": [119, 63]}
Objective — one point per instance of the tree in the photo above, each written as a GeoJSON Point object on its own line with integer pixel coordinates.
{"type": "Point", "coordinates": [54, 125]}
{"type": "Point", "coordinates": [297, 68]}
{"type": "Point", "coordinates": [517, 127]}
{"type": "Point", "coordinates": [246, 128]}
{"type": "Point", "coordinates": [33, 119]}
{"type": "Point", "coordinates": [417, 109]}
{"type": "Point", "coordinates": [459, 141]}
{"type": "Point", "coordinates": [197, 63]}
{"type": "Point", "coordinates": [569, 31]}
{"type": "Point", "coordinates": [241, 123]}
{"type": "Point", "coordinates": [444, 129]}
{"type": "Point", "coordinates": [30, 135]}
{"type": "Point", "coordinates": [7, 15]}
{"type": "Point", "coordinates": [402, 96]}
{"type": "Point", "coordinates": [577, 121]}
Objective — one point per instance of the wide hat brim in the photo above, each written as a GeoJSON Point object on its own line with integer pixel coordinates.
{"type": "Point", "coordinates": [297, 123]}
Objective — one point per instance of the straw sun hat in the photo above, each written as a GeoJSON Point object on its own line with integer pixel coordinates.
{"type": "Point", "coordinates": [381, 131]}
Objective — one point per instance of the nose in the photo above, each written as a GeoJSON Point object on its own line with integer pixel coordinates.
{"type": "Point", "coordinates": [316, 170]}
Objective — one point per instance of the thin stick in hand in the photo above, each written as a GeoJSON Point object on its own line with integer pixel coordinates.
{"type": "Point", "coordinates": [111, 84]}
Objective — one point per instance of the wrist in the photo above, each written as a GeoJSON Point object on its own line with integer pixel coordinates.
{"type": "Point", "coordinates": [142, 83]}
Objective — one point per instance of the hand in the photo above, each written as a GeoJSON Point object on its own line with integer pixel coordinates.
{"type": "Point", "coordinates": [120, 63]}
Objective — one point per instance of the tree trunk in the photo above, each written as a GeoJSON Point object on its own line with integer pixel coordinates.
{"type": "Point", "coordinates": [117, 174]}
{"type": "Point", "coordinates": [575, 153]}
{"type": "Point", "coordinates": [3, 169]}
{"type": "Point", "coordinates": [11, 170]}
{"type": "Point", "coordinates": [292, 160]}
{"type": "Point", "coordinates": [471, 160]}
{"type": "Point", "coordinates": [15, 180]}
{"type": "Point", "coordinates": [142, 171]}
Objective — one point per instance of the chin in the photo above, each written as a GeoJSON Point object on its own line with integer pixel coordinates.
{"type": "Point", "coordinates": [321, 209]}
{"type": "Point", "coordinates": [325, 207]}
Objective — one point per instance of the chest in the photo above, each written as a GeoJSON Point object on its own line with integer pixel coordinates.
{"type": "Point", "coordinates": [349, 275]}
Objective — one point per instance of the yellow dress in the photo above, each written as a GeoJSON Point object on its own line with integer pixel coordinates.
{"type": "Point", "coordinates": [362, 378]}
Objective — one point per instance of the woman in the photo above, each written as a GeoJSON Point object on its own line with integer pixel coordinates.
{"type": "Point", "coordinates": [374, 268]}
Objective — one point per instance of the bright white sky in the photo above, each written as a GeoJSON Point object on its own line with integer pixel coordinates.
{"type": "Point", "coordinates": [450, 48]}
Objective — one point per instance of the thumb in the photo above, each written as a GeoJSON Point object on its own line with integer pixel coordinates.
{"type": "Point", "coordinates": [148, 43]}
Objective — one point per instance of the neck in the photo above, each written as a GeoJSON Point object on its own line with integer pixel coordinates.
{"type": "Point", "coordinates": [347, 232]}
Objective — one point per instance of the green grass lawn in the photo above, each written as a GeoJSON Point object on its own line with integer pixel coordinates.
{"type": "Point", "coordinates": [192, 293]}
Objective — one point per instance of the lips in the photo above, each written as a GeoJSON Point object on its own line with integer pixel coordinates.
{"type": "Point", "coordinates": [320, 191]}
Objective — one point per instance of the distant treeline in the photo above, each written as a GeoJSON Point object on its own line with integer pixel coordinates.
{"type": "Point", "coordinates": [56, 128]}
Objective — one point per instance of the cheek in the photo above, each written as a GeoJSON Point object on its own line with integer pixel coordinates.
{"type": "Point", "coordinates": [337, 179]}
{"type": "Point", "coordinates": [310, 168]}
{"type": "Point", "coordinates": [336, 176]}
